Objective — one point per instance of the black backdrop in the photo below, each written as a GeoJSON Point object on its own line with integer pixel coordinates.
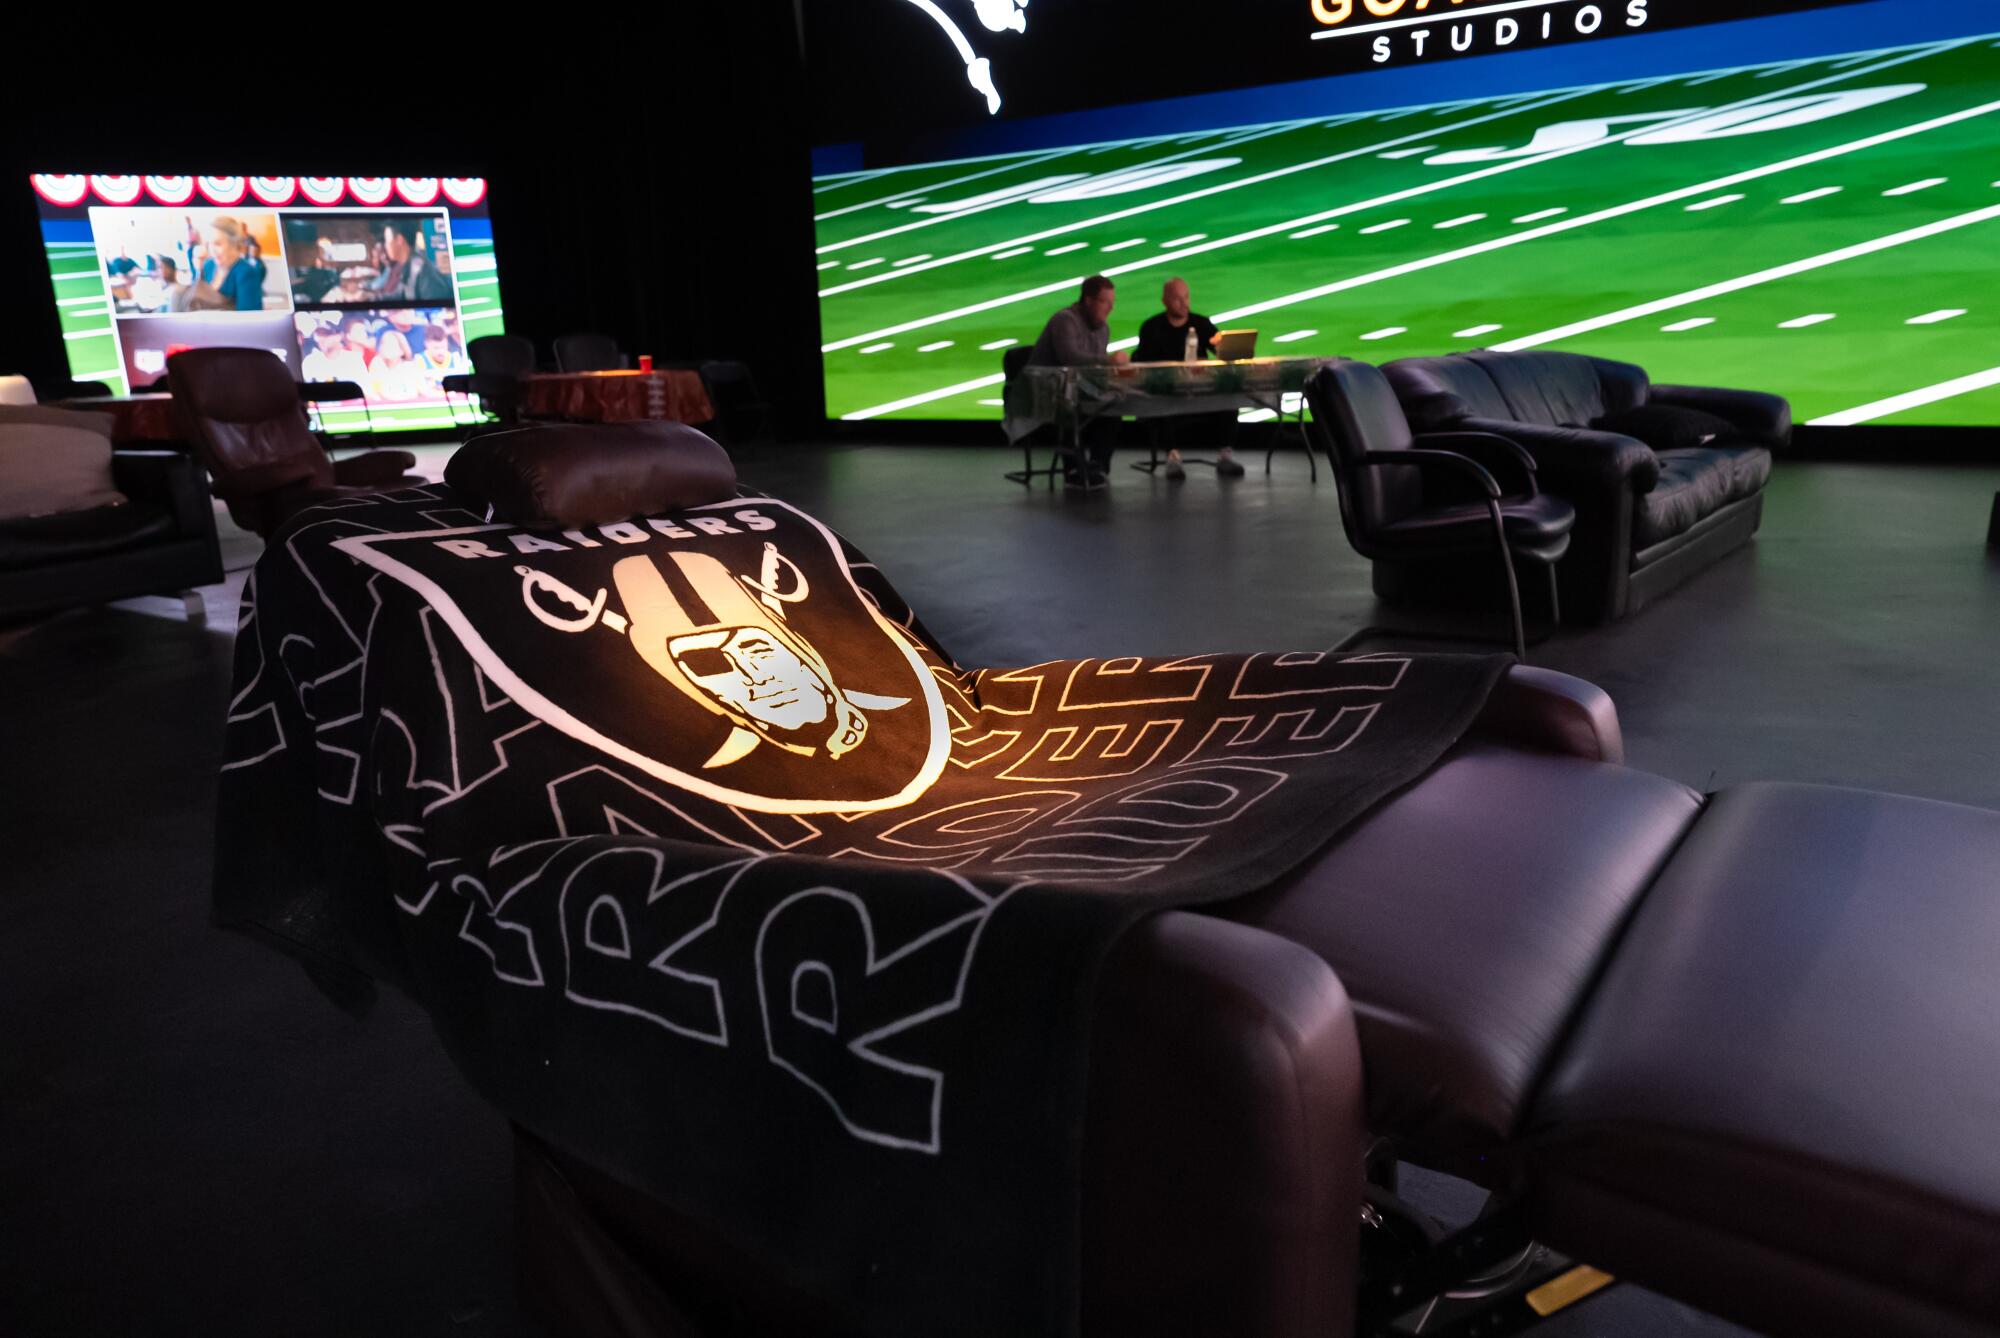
{"type": "Point", "coordinates": [648, 164]}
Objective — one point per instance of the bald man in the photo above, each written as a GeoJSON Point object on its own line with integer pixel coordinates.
{"type": "Point", "coordinates": [1165, 337]}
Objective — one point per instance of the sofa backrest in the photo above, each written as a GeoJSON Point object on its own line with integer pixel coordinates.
{"type": "Point", "coordinates": [1552, 389]}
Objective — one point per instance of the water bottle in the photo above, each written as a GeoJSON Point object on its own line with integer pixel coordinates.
{"type": "Point", "coordinates": [1193, 347]}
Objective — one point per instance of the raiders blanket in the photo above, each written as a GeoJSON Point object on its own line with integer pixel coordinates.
{"type": "Point", "coordinates": [715, 871]}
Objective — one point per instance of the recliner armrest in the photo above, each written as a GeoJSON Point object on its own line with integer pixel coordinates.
{"type": "Point", "coordinates": [1579, 456]}
{"type": "Point", "coordinates": [1552, 712]}
{"type": "Point", "coordinates": [168, 479]}
{"type": "Point", "coordinates": [1762, 417]}
{"type": "Point", "coordinates": [1224, 1136]}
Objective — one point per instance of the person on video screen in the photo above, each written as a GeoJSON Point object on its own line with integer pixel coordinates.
{"type": "Point", "coordinates": [394, 375]}
{"type": "Point", "coordinates": [331, 358]}
{"type": "Point", "coordinates": [409, 273]}
{"type": "Point", "coordinates": [359, 336]}
{"type": "Point", "coordinates": [173, 288]}
{"type": "Point", "coordinates": [230, 276]}
{"type": "Point", "coordinates": [440, 357]}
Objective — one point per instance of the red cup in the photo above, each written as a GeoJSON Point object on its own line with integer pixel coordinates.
{"type": "Point", "coordinates": [645, 362]}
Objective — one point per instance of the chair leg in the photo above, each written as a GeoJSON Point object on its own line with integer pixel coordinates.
{"type": "Point", "coordinates": [197, 611]}
{"type": "Point", "coordinates": [1513, 585]}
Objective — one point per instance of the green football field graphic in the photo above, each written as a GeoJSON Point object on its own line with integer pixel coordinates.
{"type": "Point", "coordinates": [1826, 229]}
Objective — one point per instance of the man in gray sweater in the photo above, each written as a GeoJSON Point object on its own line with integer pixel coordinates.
{"type": "Point", "coordinates": [1078, 336]}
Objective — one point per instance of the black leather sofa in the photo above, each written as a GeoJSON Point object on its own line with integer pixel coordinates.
{"type": "Point", "coordinates": [1648, 516]}
{"type": "Point", "coordinates": [160, 541]}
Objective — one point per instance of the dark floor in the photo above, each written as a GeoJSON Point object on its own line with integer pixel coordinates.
{"type": "Point", "coordinates": [193, 1142]}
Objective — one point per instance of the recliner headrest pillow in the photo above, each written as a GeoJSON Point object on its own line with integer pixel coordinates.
{"type": "Point", "coordinates": [562, 475]}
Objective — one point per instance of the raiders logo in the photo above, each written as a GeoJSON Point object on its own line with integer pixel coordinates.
{"type": "Point", "coordinates": [725, 649]}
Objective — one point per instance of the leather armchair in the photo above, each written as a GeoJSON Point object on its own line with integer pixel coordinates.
{"type": "Point", "coordinates": [1420, 506]}
{"type": "Point", "coordinates": [241, 410]}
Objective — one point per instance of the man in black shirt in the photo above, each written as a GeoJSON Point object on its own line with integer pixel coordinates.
{"type": "Point", "coordinates": [1163, 338]}
{"type": "Point", "coordinates": [1180, 334]}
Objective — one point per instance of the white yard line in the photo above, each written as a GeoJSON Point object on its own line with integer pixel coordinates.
{"type": "Point", "coordinates": [1762, 276]}
{"type": "Point", "coordinates": [1806, 322]}
{"type": "Point", "coordinates": [912, 401]}
{"type": "Point", "coordinates": [1819, 194]}
{"type": "Point", "coordinates": [1473, 332]}
{"type": "Point", "coordinates": [1936, 317]}
{"type": "Point", "coordinates": [1694, 323]}
{"type": "Point", "coordinates": [1619, 211]}
{"type": "Point", "coordinates": [1715, 203]}
{"type": "Point", "coordinates": [934, 220]}
{"type": "Point", "coordinates": [1916, 186]}
{"type": "Point", "coordinates": [1458, 222]}
{"type": "Point", "coordinates": [1204, 192]}
{"type": "Point", "coordinates": [941, 185]}
{"type": "Point", "coordinates": [1497, 169]}
{"type": "Point", "coordinates": [1125, 245]}
{"type": "Point", "coordinates": [1911, 399]}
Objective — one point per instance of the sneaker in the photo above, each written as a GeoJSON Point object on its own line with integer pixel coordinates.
{"type": "Point", "coordinates": [1174, 470]}
{"type": "Point", "coordinates": [1085, 480]}
{"type": "Point", "coordinates": [1226, 466]}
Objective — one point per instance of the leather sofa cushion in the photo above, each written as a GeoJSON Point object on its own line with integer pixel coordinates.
{"type": "Point", "coordinates": [54, 460]}
{"type": "Point", "coordinates": [1694, 484]}
{"type": "Point", "coordinates": [70, 535]}
{"type": "Point", "coordinates": [1552, 389]}
{"type": "Point", "coordinates": [1465, 916]}
{"type": "Point", "coordinates": [1557, 389]}
{"type": "Point", "coordinates": [1795, 1055]}
{"type": "Point", "coordinates": [1668, 427]}
{"type": "Point", "coordinates": [1439, 393]}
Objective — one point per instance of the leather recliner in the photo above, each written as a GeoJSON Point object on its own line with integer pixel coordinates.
{"type": "Point", "coordinates": [240, 409]}
{"type": "Point", "coordinates": [1646, 519]}
{"type": "Point", "coordinates": [1734, 1048]}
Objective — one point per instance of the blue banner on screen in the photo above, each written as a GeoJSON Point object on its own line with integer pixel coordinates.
{"type": "Point", "coordinates": [378, 281]}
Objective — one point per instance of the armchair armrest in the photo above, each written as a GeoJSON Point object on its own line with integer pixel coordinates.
{"type": "Point", "coordinates": [1443, 461]}
{"type": "Point", "coordinates": [1496, 453]}
{"type": "Point", "coordinates": [362, 471]}
{"type": "Point", "coordinates": [1580, 456]}
{"type": "Point", "coordinates": [1763, 418]}
{"type": "Point", "coordinates": [165, 478]}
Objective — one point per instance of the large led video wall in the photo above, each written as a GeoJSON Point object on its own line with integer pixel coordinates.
{"type": "Point", "coordinates": [376, 281]}
{"type": "Point", "coordinates": [1799, 203]}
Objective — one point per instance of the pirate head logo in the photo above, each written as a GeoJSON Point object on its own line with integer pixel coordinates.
{"type": "Point", "coordinates": [725, 650]}
{"type": "Point", "coordinates": [724, 641]}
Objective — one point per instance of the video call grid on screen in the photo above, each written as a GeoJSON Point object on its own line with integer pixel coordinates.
{"type": "Point", "coordinates": [1779, 203]}
{"type": "Point", "coordinates": [126, 275]}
